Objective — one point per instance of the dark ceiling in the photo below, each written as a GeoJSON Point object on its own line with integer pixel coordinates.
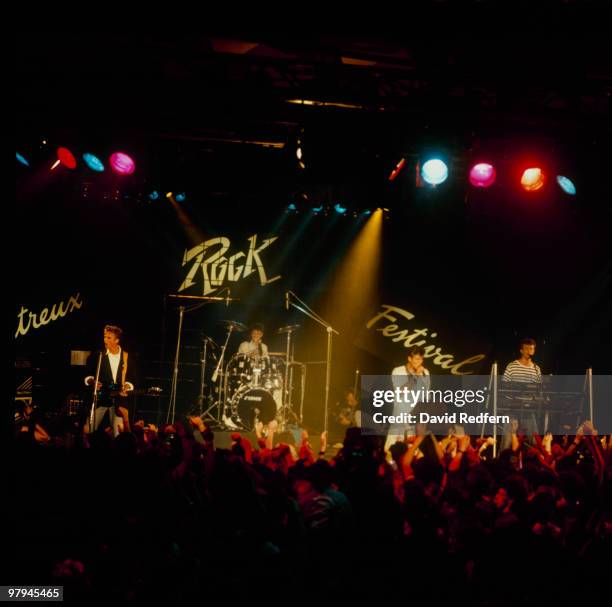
{"type": "Point", "coordinates": [359, 102]}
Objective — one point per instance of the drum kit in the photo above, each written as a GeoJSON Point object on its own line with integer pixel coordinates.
{"type": "Point", "coordinates": [251, 388]}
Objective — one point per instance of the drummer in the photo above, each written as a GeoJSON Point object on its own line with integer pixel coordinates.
{"type": "Point", "coordinates": [254, 348]}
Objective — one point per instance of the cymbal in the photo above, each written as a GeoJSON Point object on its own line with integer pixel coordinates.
{"type": "Point", "coordinates": [288, 328]}
{"type": "Point", "coordinates": [210, 340]}
{"type": "Point", "coordinates": [235, 325]}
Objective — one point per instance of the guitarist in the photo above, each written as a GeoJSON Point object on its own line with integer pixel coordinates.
{"type": "Point", "coordinates": [113, 385]}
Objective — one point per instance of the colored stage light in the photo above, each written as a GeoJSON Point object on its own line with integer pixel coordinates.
{"type": "Point", "coordinates": [339, 209]}
{"type": "Point", "coordinates": [398, 169]}
{"type": "Point", "coordinates": [434, 171]}
{"type": "Point", "coordinates": [93, 162]}
{"type": "Point", "coordinates": [122, 164]}
{"type": "Point", "coordinates": [567, 185]}
{"type": "Point", "coordinates": [169, 195]}
{"type": "Point", "coordinates": [532, 179]}
{"type": "Point", "coordinates": [482, 175]}
{"type": "Point", "coordinates": [291, 207]}
{"type": "Point", "coordinates": [317, 209]}
{"type": "Point", "coordinates": [180, 197]}
{"type": "Point", "coordinates": [22, 159]}
{"type": "Point", "coordinates": [66, 157]}
{"type": "Point", "coordinates": [154, 195]}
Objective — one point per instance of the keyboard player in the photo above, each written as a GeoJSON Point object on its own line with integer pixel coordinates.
{"type": "Point", "coordinates": [524, 372]}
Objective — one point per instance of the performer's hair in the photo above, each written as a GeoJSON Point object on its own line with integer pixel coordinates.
{"type": "Point", "coordinates": [115, 330]}
{"type": "Point", "coordinates": [416, 351]}
{"type": "Point", "coordinates": [257, 327]}
{"type": "Point", "coordinates": [527, 341]}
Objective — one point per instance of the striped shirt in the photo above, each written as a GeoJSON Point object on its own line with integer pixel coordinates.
{"type": "Point", "coordinates": [515, 371]}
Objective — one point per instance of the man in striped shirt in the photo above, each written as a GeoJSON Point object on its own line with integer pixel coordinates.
{"type": "Point", "coordinates": [523, 369]}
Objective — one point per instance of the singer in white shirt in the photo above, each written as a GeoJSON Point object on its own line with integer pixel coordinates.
{"type": "Point", "coordinates": [113, 371]}
{"type": "Point", "coordinates": [414, 376]}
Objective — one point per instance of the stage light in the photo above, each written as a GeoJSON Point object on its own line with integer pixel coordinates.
{"type": "Point", "coordinates": [482, 175]}
{"type": "Point", "coordinates": [55, 165]}
{"type": "Point", "coordinates": [532, 179]}
{"type": "Point", "coordinates": [339, 209]}
{"type": "Point", "coordinates": [367, 212]}
{"type": "Point", "coordinates": [169, 195]}
{"type": "Point", "coordinates": [567, 185]}
{"type": "Point", "coordinates": [122, 164]}
{"type": "Point", "coordinates": [180, 197]}
{"type": "Point", "coordinates": [317, 209]}
{"type": "Point", "coordinates": [66, 157]}
{"type": "Point", "coordinates": [93, 162]}
{"type": "Point", "coordinates": [22, 159]}
{"type": "Point", "coordinates": [291, 207]}
{"type": "Point", "coordinates": [434, 171]}
{"type": "Point", "coordinates": [398, 169]}
{"type": "Point", "coordinates": [154, 195]}
{"type": "Point", "coordinates": [298, 153]}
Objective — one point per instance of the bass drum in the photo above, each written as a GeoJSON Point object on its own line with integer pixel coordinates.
{"type": "Point", "coordinates": [252, 404]}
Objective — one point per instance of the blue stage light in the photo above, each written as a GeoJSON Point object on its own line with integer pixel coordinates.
{"type": "Point", "coordinates": [567, 185]}
{"type": "Point", "coordinates": [93, 162]}
{"type": "Point", "coordinates": [434, 171]}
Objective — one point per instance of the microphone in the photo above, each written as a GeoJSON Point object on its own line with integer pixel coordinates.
{"type": "Point", "coordinates": [286, 300]}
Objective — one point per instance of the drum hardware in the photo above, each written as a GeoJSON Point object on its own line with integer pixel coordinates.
{"type": "Point", "coordinates": [206, 414]}
{"type": "Point", "coordinates": [170, 416]}
{"type": "Point", "coordinates": [234, 325]}
{"type": "Point", "coordinates": [288, 329]}
{"type": "Point", "coordinates": [288, 385]}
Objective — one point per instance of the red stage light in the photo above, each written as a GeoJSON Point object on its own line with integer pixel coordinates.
{"type": "Point", "coordinates": [66, 157]}
{"type": "Point", "coordinates": [533, 179]}
{"type": "Point", "coordinates": [397, 170]}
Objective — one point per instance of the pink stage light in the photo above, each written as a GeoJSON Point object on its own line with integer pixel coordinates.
{"type": "Point", "coordinates": [482, 175]}
{"type": "Point", "coordinates": [122, 164]}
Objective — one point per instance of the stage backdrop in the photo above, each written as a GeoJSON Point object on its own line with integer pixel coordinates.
{"type": "Point", "coordinates": [465, 285]}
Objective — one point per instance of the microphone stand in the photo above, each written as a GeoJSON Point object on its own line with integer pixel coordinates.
{"type": "Point", "coordinates": [94, 400]}
{"type": "Point", "coordinates": [305, 309]}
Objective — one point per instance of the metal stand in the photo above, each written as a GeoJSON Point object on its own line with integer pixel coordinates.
{"type": "Point", "coordinates": [305, 309]}
{"type": "Point", "coordinates": [494, 378]}
{"type": "Point", "coordinates": [171, 413]}
{"type": "Point", "coordinates": [287, 382]}
{"type": "Point", "coordinates": [172, 404]}
{"type": "Point", "coordinates": [94, 400]}
{"type": "Point", "coordinates": [589, 374]}
{"type": "Point", "coordinates": [206, 414]}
